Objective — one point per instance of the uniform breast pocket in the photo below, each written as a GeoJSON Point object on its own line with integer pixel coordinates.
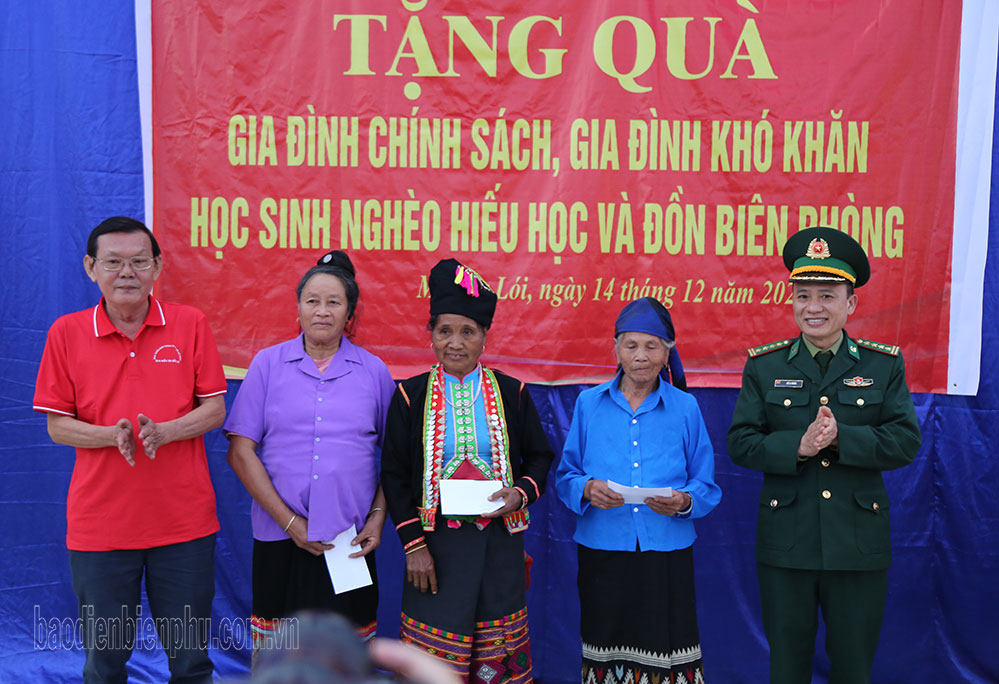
{"type": "Point", "coordinates": [787, 406]}
{"type": "Point", "coordinates": [871, 521]}
{"type": "Point", "coordinates": [859, 405]}
{"type": "Point", "coordinates": [776, 525]}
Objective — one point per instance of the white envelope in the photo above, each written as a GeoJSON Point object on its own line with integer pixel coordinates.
{"type": "Point", "coordinates": [469, 497]}
{"type": "Point", "coordinates": [345, 572]}
{"type": "Point", "coordinates": [638, 495]}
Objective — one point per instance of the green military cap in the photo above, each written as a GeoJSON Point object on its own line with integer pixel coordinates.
{"type": "Point", "coordinates": [826, 255]}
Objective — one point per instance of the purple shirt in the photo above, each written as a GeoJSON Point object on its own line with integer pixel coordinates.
{"type": "Point", "coordinates": [319, 435]}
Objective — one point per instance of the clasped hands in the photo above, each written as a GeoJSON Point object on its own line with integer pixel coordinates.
{"type": "Point", "coordinates": [598, 493]}
{"type": "Point", "coordinates": [153, 435]}
{"type": "Point", "coordinates": [367, 540]}
{"type": "Point", "coordinates": [821, 433]}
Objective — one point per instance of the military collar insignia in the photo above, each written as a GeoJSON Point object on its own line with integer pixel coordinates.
{"type": "Point", "coordinates": [858, 381]}
{"type": "Point", "coordinates": [793, 351]}
{"type": "Point", "coordinates": [852, 349]}
{"type": "Point", "coordinates": [784, 384]}
{"type": "Point", "coordinates": [818, 249]}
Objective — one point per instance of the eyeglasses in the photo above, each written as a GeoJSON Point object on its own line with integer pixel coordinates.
{"type": "Point", "coordinates": [139, 263]}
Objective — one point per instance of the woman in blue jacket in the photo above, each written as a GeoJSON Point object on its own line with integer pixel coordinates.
{"type": "Point", "coordinates": [636, 574]}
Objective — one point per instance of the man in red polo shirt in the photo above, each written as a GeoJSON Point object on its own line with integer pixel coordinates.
{"type": "Point", "coordinates": [133, 383]}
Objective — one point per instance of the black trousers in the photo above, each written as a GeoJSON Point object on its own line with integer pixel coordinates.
{"type": "Point", "coordinates": [180, 586]}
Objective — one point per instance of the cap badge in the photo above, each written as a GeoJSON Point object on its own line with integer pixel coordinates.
{"type": "Point", "coordinates": [817, 249]}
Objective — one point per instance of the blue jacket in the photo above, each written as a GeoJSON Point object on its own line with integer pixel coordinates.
{"type": "Point", "coordinates": [662, 444]}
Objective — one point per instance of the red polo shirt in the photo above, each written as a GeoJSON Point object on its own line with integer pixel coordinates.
{"type": "Point", "coordinates": [93, 372]}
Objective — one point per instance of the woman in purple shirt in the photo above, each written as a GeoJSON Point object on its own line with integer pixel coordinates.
{"type": "Point", "coordinates": [305, 434]}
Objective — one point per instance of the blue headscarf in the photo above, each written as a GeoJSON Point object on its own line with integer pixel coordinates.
{"type": "Point", "coordinates": [648, 315]}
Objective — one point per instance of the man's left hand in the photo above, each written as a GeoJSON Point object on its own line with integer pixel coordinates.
{"type": "Point", "coordinates": [153, 435]}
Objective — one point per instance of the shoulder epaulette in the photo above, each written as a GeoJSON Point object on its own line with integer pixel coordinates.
{"type": "Point", "coordinates": [890, 349]}
{"type": "Point", "coordinates": [767, 348]}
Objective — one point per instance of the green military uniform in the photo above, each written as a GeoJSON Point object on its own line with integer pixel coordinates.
{"type": "Point", "coordinates": [822, 526]}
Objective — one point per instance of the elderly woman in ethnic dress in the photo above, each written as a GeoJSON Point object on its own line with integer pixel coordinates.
{"type": "Point", "coordinates": [304, 438]}
{"type": "Point", "coordinates": [464, 595]}
{"type": "Point", "coordinates": [636, 573]}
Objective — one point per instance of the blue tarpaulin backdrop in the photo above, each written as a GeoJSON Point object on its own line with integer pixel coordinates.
{"type": "Point", "coordinates": [71, 156]}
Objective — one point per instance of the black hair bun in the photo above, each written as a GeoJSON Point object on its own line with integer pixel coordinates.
{"type": "Point", "coordinates": [338, 259]}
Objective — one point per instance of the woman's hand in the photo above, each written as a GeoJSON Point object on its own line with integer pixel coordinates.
{"type": "Point", "coordinates": [512, 501]}
{"type": "Point", "coordinates": [370, 536]}
{"type": "Point", "coordinates": [600, 495]}
{"type": "Point", "coordinates": [420, 570]}
{"type": "Point", "coordinates": [680, 501]}
{"type": "Point", "coordinates": [299, 533]}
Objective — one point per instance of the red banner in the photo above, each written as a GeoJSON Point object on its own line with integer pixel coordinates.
{"type": "Point", "coordinates": [577, 155]}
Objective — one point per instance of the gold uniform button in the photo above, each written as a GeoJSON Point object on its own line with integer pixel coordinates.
{"type": "Point", "coordinates": [825, 462]}
{"type": "Point", "coordinates": [787, 402]}
{"type": "Point", "coordinates": [860, 401]}
{"type": "Point", "coordinates": [826, 494]}
{"type": "Point", "coordinates": [773, 503]}
{"type": "Point", "coordinates": [875, 506]}
{"type": "Point", "coordinates": [823, 400]}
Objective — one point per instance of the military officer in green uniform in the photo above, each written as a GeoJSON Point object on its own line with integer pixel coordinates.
{"type": "Point", "coordinates": [821, 415]}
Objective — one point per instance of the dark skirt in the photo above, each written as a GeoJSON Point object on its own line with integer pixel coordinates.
{"type": "Point", "coordinates": [638, 617]}
{"type": "Point", "coordinates": [477, 621]}
{"type": "Point", "coordinates": [287, 579]}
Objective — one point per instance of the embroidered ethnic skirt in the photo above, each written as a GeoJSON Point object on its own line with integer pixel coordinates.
{"type": "Point", "coordinates": [638, 617]}
{"type": "Point", "coordinates": [477, 621]}
{"type": "Point", "coordinates": [287, 579]}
